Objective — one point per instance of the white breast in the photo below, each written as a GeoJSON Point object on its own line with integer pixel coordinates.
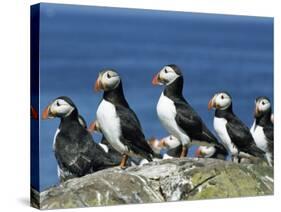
{"type": "Point", "coordinates": [110, 125]}
{"type": "Point", "coordinates": [260, 138]}
{"type": "Point", "coordinates": [220, 128]}
{"type": "Point", "coordinates": [172, 143]}
{"type": "Point", "coordinates": [105, 148]}
{"type": "Point", "coordinates": [253, 127]}
{"type": "Point", "coordinates": [55, 138]}
{"type": "Point", "coordinates": [166, 112]}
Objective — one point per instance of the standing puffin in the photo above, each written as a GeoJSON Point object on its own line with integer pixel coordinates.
{"type": "Point", "coordinates": [211, 152]}
{"type": "Point", "coordinates": [75, 151]}
{"type": "Point", "coordinates": [234, 134]}
{"type": "Point", "coordinates": [176, 115]}
{"type": "Point", "coordinates": [262, 128]}
{"type": "Point", "coordinates": [118, 122]}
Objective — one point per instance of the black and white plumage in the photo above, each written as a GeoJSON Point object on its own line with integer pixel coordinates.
{"type": "Point", "coordinates": [262, 128]}
{"type": "Point", "coordinates": [233, 133]}
{"type": "Point", "coordinates": [211, 152]}
{"type": "Point", "coordinates": [114, 154]}
{"type": "Point", "coordinates": [118, 122]}
{"type": "Point", "coordinates": [75, 151]}
{"type": "Point", "coordinates": [175, 113]}
{"type": "Point", "coordinates": [172, 145]}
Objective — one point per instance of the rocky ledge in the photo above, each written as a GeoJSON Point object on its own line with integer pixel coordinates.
{"type": "Point", "coordinates": [159, 181]}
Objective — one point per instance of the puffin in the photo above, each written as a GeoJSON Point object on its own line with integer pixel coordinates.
{"type": "Point", "coordinates": [211, 152]}
{"type": "Point", "coordinates": [118, 122]}
{"type": "Point", "coordinates": [172, 145]}
{"type": "Point", "coordinates": [262, 128]}
{"type": "Point", "coordinates": [176, 114]}
{"type": "Point", "coordinates": [75, 151]}
{"type": "Point", "coordinates": [233, 133]}
{"type": "Point", "coordinates": [115, 155]}
{"type": "Point", "coordinates": [156, 148]}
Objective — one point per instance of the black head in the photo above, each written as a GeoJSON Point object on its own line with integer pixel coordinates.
{"type": "Point", "coordinates": [60, 107]}
{"type": "Point", "coordinates": [107, 80]}
{"type": "Point", "coordinates": [167, 75]}
{"type": "Point", "coordinates": [220, 101]}
{"type": "Point", "coordinates": [262, 106]}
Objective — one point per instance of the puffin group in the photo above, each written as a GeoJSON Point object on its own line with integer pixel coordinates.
{"type": "Point", "coordinates": [123, 141]}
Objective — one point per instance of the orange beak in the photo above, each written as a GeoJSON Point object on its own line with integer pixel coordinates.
{"type": "Point", "coordinates": [46, 113]}
{"type": "Point", "coordinates": [93, 127]}
{"type": "Point", "coordinates": [162, 144]}
{"type": "Point", "coordinates": [257, 111]}
{"type": "Point", "coordinates": [98, 85]}
{"type": "Point", "coordinates": [212, 103]}
{"type": "Point", "coordinates": [155, 80]}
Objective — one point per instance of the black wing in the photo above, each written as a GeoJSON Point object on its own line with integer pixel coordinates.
{"type": "Point", "coordinates": [114, 154]}
{"type": "Point", "coordinates": [269, 134]}
{"type": "Point", "coordinates": [240, 135]}
{"type": "Point", "coordinates": [192, 124]}
{"type": "Point", "coordinates": [79, 154]}
{"type": "Point", "coordinates": [132, 135]}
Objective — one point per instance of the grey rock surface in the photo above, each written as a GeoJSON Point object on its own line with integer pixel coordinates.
{"type": "Point", "coordinates": [159, 181]}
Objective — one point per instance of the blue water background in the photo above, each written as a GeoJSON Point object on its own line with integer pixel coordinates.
{"type": "Point", "coordinates": [215, 52]}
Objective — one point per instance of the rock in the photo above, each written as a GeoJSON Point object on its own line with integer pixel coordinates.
{"type": "Point", "coordinates": [159, 181]}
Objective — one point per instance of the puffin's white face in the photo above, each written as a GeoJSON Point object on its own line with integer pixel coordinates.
{"type": "Point", "coordinates": [166, 76]}
{"type": "Point", "coordinates": [220, 101]}
{"type": "Point", "coordinates": [107, 80]}
{"type": "Point", "coordinates": [204, 151]}
{"type": "Point", "coordinates": [261, 105]}
{"type": "Point", "coordinates": [58, 108]}
{"type": "Point", "coordinates": [169, 142]}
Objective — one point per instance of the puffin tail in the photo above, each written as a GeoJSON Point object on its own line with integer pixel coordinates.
{"type": "Point", "coordinates": [148, 157]}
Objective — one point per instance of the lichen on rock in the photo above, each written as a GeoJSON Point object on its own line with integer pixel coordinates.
{"type": "Point", "coordinates": [159, 181]}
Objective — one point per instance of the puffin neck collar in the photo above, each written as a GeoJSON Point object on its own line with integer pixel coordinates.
{"type": "Point", "coordinates": [264, 119]}
{"type": "Point", "coordinates": [175, 88]}
{"type": "Point", "coordinates": [73, 116]}
{"type": "Point", "coordinates": [116, 95]}
{"type": "Point", "coordinates": [224, 113]}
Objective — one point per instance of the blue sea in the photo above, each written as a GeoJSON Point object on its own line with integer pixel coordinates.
{"type": "Point", "coordinates": [214, 52]}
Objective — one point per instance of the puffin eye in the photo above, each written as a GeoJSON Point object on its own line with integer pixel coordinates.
{"type": "Point", "coordinates": [165, 71]}
{"type": "Point", "coordinates": [263, 103]}
{"type": "Point", "coordinates": [171, 138]}
{"type": "Point", "coordinates": [108, 76]}
{"type": "Point", "coordinates": [58, 104]}
{"type": "Point", "coordinates": [222, 97]}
